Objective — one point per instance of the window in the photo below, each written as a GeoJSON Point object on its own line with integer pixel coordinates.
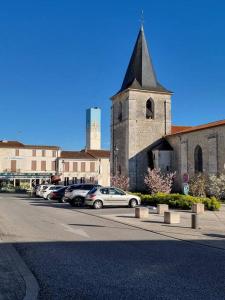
{"type": "Point", "coordinates": [34, 152]}
{"type": "Point", "coordinates": [75, 167]}
{"type": "Point", "coordinates": [83, 167]}
{"type": "Point", "coordinates": [150, 109]}
{"type": "Point", "coordinates": [13, 165]}
{"type": "Point", "coordinates": [66, 166]}
{"type": "Point", "coordinates": [33, 165]}
{"type": "Point", "coordinates": [53, 165]}
{"type": "Point", "coordinates": [66, 181]}
{"type": "Point", "coordinates": [120, 113]}
{"type": "Point", "coordinates": [74, 180]}
{"type": "Point", "coordinates": [82, 180]}
{"type": "Point", "coordinates": [43, 165]}
{"type": "Point", "coordinates": [53, 153]}
{"type": "Point", "coordinates": [17, 152]}
{"type": "Point", "coordinates": [43, 152]}
{"type": "Point", "coordinates": [198, 159]}
{"type": "Point", "coordinates": [92, 167]}
{"type": "Point", "coordinates": [104, 191]}
{"type": "Point", "coordinates": [92, 179]}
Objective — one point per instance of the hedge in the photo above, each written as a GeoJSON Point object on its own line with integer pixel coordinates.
{"type": "Point", "coordinates": [178, 200]}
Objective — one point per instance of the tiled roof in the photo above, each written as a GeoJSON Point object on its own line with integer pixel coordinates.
{"type": "Point", "coordinates": [16, 144]}
{"type": "Point", "coordinates": [175, 128]}
{"type": "Point", "coordinates": [76, 155]}
{"type": "Point", "coordinates": [99, 153]}
{"type": "Point", "coordinates": [199, 127]}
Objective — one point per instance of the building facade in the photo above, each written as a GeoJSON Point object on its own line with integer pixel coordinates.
{"type": "Point", "coordinates": [34, 164]}
{"type": "Point", "coordinates": [142, 134]}
{"type": "Point", "coordinates": [20, 163]}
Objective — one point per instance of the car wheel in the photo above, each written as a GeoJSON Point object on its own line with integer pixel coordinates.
{"type": "Point", "coordinates": [133, 203]}
{"type": "Point", "coordinates": [98, 204]}
{"type": "Point", "coordinates": [79, 201]}
{"type": "Point", "coordinates": [62, 200]}
{"type": "Point", "coordinates": [72, 203]}
{"type": "Point", "coordinates": [49, 197]}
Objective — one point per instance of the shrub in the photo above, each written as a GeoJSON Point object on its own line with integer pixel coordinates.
{"type": "Point", "coordinates": [157, 181]}
{"type": "Point", "coordinates": [179, 201]}
{"type": "Point", "coordinates": [120, 181]}
{"type": "Point", "coordinates": [216, 186]}
{"type": "Point", "coordinates": [198, 185]}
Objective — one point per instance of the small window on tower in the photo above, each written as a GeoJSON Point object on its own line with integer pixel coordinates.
{"type": "Point", "coordinates": [150, 109]}
{"type": "Point", "coordinates": [120, 114]}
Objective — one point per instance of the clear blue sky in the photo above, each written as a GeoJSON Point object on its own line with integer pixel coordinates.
{"type": "Point", "coordinates": [58, 58]}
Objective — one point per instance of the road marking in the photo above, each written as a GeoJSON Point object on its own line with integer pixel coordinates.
{"type": "Point", "coordinates": [80, 232]}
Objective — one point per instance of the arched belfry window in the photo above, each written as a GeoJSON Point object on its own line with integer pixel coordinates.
{"type": "Point", "coordinates": [198, 159]}
{"type": "Point", "coordinates": [150, 109]}
{"type": "Point", "coordinates": [120, 113]}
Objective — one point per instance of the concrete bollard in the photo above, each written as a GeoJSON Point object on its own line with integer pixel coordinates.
{"type": "Point", "coordinates": [198, 208]}
{"type": "Point", "coordinates": [194, 221]}
{"type": "Point", "coordinates": [161, 208]}
{"type": "Point", "coordinates": [141, 212]}
{"type": "Point", "coordinates": [171, 217]}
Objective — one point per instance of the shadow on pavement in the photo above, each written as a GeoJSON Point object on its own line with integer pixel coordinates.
{"type": "Point", "coordinates": [140, 269]}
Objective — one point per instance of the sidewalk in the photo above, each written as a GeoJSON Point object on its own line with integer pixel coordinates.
{"type": "Point", "coordinates": [211, 230]}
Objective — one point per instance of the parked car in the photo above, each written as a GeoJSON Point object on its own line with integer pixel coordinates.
{"type": "Point", "coordinates": [76, 194]}
{"type": "Point", "coordinates": [40, 189]}
{"type": "Point", "coordinates": [58, 195]}
{"type": "Point", "coordinates": [110, 196]}
{"type": "Point", "coordinates": [50, 189]}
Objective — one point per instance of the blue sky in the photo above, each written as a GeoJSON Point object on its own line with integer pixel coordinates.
{"type": "Point", "coordinates": [58, 58]}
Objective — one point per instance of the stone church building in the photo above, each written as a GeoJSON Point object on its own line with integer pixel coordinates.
{"type": "Point", "coordinates": [142, 134]}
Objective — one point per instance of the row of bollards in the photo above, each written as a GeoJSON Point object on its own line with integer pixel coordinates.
{"type": "Point", "coordinates": [172, 217]}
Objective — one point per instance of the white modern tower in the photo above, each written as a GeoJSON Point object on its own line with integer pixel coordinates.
{"type": "Point", "coordinates": [93, 128]}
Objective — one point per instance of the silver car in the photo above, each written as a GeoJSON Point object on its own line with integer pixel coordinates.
{"type": "Point", "coordinates": [110, 196]}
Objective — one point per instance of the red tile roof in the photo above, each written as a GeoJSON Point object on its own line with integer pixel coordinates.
{"type": "Point", "coordinates": [16, 144]}
{"type": "Point", "coordinates": [76, 155]}
{"type": "Point", "coordinates": [175, 128]}
{"type": "Point", "coordinates": [99, 153]}
{"type": "Point", "coordinates": [196, 128]}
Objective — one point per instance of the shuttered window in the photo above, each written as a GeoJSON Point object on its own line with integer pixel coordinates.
{"type": "Point", "coordinates": [43, 165]}
{"type": "Point", "coordinates": [13, 165]}
{"type": "Point", "coordinates": [33, 165]}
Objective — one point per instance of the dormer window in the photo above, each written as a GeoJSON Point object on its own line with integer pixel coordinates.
{"type": "Point", "coordinates": [150, 109]}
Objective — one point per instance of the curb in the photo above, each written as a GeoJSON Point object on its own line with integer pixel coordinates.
{"type": "Point", "coordinates": [104, 217]}
{"type": "Point", "coordinates": [31, 284]}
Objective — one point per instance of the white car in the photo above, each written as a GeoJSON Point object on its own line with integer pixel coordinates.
{"type": "Point", "coordinates": [40, 189]}
{"type": "Point", "coordinates": [52, 188]}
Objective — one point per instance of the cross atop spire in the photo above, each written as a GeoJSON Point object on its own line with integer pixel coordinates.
{"type": "Point", "coordinates": [140, 73]}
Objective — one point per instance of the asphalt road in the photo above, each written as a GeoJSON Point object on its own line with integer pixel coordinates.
{"type": "Point", "coordinates": [74, 254]}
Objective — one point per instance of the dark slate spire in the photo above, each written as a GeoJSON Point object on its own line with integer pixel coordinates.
{"type": "Point", "coordinates": [140, 72]}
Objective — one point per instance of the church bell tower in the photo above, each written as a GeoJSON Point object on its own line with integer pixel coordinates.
{"type": "Point", "coordinates": [140, 116]}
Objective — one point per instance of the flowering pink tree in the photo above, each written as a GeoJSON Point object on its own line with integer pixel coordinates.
{"type": "Point", "coordinates": [121, 182]}
{"type": "Point", "coordinates": [159, 182]}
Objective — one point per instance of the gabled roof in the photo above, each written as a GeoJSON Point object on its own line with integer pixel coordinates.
{"type": "Point", "coordinates": [196, 128]}
{"type": "Point", "coordinates": [86, 154]}
{"type": "Point", "coordinates": [76, 155]}
{"type": "Point", "coordinates": [98, 153]}
{"type": "Point", "coordinates": [140, 73]}
{"type": "Point", "coordinates": [16, 144]}
{"type": "Point", "coordinates": [176, 128]}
